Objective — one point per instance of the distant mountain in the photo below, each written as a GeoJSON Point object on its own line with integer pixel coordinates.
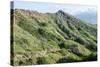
{"type": "Point", "coordinates": [88, 16]}
{"type": "Point", "coordinates": [48, 38]}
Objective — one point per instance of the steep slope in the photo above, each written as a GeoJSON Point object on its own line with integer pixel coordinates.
{"type": "Point", "coordinates": [45, 38]}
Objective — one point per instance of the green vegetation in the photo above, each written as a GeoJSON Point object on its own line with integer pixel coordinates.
{"type": "Point", "coordinates": [46, 38]}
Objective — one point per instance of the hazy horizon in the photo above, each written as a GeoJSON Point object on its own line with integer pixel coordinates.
{"type": "Point", "coordinates": [76, 10]}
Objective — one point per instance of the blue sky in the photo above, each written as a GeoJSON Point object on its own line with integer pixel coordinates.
{"type": "Point", "coordinates": [52, 7]}
{"type": "Point", "coordinates": [84, 12]}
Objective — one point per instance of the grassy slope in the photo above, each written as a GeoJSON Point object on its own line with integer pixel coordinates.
{"type": "Point", "coordinates": [51, 38]}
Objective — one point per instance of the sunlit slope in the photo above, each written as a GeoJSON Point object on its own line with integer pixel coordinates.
{"type": "Point", "coordinates": [45, 38]}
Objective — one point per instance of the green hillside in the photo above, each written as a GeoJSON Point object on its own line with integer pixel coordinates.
{"type": "Point", "coordinates": [49, 38]}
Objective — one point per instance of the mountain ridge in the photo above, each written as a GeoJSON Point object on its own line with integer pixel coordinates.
{"type": "Point", "coordinates": [46, 38]}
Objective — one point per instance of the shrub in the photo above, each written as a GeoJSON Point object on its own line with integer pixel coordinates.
{"type": "Point", "coordinates": [61, 44]}
{"type": "Point", "coordinates": [45, 60]}
{"type": "Point", "coordinates": [42, 24]}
